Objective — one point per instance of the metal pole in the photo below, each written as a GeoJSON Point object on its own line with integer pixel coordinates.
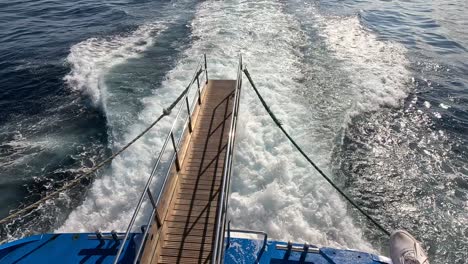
{"type": "Point", "coordinates": [288, 251]}
{"type": "Point", "coordinates": [153, 203]}
{"type": "Point", "coordinates": [150, 195]}
{"type": "Point", "coordinates": [158, 219]}
{"type": "Point", "coordinates": [177, 164]}
{"type": "Point", "coordinates": [189, 115]}
{"type": "Point", "coordinates": [199, 93]}
{"type": "Point", "coordinates": [206, 68]}
{"type": "Point", "coordinates": [228, 234]}
{"type": "Point", "coordinates": [304, 253]}
{"type": "Point", "coordinates": [221, 242]}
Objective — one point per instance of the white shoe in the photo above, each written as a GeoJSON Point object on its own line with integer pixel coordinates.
{"type": "Point", "coordinates": [405, 249]}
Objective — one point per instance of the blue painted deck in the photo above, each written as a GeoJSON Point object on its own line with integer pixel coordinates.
{"type": "Point", "coordinates": [66, 248]}
{"type": "Point", "coordinates": [241, 250]}
{"type": "Point", "coordinates": [79, 248]}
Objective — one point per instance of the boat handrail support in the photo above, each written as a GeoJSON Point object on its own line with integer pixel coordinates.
{"type": "Point", "coordinates": [174, 157]}
{"type": "Point", "coordinates": [221, 219]}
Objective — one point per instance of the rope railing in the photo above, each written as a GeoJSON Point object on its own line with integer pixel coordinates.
{"type": "Point", "coordinates": [72, 183]}
{"type": "Point", "coordinates": [311, 162]}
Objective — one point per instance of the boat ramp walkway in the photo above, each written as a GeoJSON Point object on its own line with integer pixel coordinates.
{"type": "Point", "coordinates": [187, 221]}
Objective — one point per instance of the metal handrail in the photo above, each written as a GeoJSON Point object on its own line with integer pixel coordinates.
{"type": "Point", "coordinates": [220, 225]}
{"type": "Point", "coordinates": [202, 67]}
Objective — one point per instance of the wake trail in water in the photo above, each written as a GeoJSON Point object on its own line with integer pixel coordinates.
{"type": "Point", "coordinates": [91, 60]}
{"type": "Point", "coordinates": [273, 189]}
{"type": "Point", "coordinates": [113, 196]}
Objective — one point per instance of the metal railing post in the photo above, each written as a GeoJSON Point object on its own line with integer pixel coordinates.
{"type": "Point", "coordinates": [158, 219]}
{"type": "Point", "coordinates": [228, 233]}
{"type": "Point", "coordinates": [153, 203]}
{"type": "Point", "coordinates": [150, 195]}
{"type": "Point", "coordinates": [206, 68]}
{"type": "Point", "coordinates": [199, 93]}
{"type": "Point", "coordinates": [177, 164]}
{"type": "Point", "coordinates": [189, 115]}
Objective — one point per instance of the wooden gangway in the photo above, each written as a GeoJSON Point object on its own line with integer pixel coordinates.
{"type": "Point", "coordinates": [188, 230]}
{"type": "Point", "coordinates": [187, 222]}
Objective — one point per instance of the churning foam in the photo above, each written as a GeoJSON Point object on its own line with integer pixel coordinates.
{"type": "Point", "coordinates": [273, 188]}
{"type": "Point", "coordinates": [378, 69]}
{"type": "Point", "coordinates": [112, 198]}
{"type": "Point", "coordinates": [91, 59]}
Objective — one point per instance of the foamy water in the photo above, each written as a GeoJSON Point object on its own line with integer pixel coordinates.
{"type": "Point", "coordinates": [91, 59]}
{"type": "Point", "coordinates": [378, 69]}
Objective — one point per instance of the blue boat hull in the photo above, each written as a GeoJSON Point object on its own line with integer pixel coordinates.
{"type": "Point", "coordinates": [87, 248]}
{"type": "Point", "coordinates": [67, 248]}
{"type": "Point", "coordinates": [242, 250]}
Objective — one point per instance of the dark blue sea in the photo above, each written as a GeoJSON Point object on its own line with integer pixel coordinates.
{"type": "Point", "coordinates": [375, 91]}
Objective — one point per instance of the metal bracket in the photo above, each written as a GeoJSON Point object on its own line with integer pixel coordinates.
{"type": "Point", "coordinates": [290, 247]}
{"type": "Point", "coordinates": [113, 236]}
{"type": "Point", "coordinates": [166, 111]}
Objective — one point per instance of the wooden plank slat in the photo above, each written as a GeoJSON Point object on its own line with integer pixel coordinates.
{"type": "Point", "coordinates": [195, 202]}
{"type": "Point", "coordinates": [189, 231]}
{"type": "Point", "coordinates": [187, 253]}
{"type": "Point", "coordinates": [194, 246]}
{"type": "Point", "coordinates": [184, 214]}
{"type": "Point", "coordinates": [183, 225]}
{"type": "Point", "coordinates": [192, 218]}
{"type": "Point", "coordinates": [203, 187]}
{"type": "Point", "coordinates": [190, 239]}
{"type": "Point", "coordinates": [199, 181]}
{"type": "Point", "coordinates": [173, 260]}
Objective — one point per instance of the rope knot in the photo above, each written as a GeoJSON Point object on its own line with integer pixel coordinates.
{"type": "Point", "coordinates": [166, 111]}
